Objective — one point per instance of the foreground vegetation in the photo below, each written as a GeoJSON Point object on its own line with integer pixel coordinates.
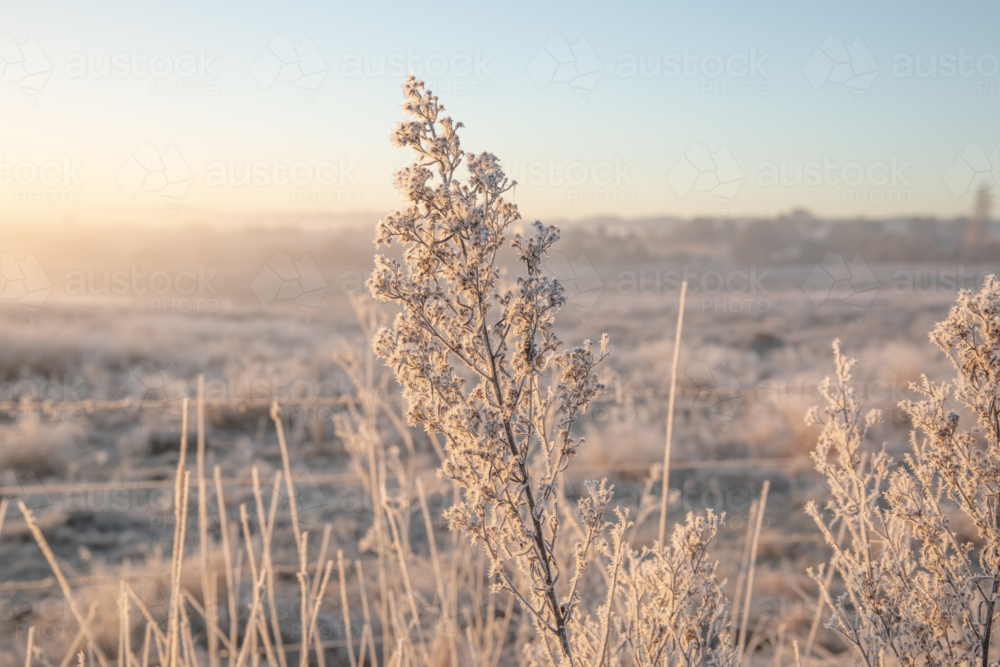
{"type": "Point", "coordinates": [473, 350]}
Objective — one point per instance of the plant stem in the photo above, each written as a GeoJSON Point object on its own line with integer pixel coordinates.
{"type": "Point", "coordinates": [670, 417]}
{"type": "Point", "coordinates": [993, 598]}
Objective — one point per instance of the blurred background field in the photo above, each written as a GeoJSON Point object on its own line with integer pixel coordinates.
{"type": "Point", "coordinates": [106, 329]}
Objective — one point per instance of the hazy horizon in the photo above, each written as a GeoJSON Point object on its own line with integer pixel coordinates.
{"type": "Point", "coordinates": [209, 114]}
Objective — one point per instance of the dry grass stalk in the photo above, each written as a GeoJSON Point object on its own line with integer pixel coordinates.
{"type": "Point", "coordinates": [231, 579]}
{"type": "Point", "coordinates": [207, 587]}
{"type": "Point", "coordinates": [31, 646]}
{"type": "Point", "coordinates": [365, 613]}
{"type": "Point", "coordinates": [36, 532]}
{"type": "Point", "coordinates": [820, 602]}
{"type": "Point", "coordinates": [665, 493]}
{"type": "Point", "coordinates": [180, 518]}
{"type": "Point", "coordinates": [345, 607]}
{"type": "Point", "coordinates": [751, 567]}
{"type": "Point", "coordinates": [745, 560]}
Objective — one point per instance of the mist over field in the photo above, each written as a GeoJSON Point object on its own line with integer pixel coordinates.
{"type": "Point", "coordinates": [127, 314]}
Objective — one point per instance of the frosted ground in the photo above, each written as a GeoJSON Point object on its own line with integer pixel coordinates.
{"type": "Point", "coordinates": [137, 316]}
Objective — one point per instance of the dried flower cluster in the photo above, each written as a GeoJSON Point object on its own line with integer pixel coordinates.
{"type": "Point", "coordinates": [921, 560]}
{"type": "Point", "coordinates": [471, 353]}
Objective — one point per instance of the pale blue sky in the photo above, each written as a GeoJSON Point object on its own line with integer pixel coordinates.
{"type": "Point", "coordinates": [626, 141]}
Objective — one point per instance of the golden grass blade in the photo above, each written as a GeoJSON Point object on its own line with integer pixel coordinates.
{"type": "Point", "coordinates": [365, 611]}
{"type": "Point", "coordinates": [438, 576]}
{"type": "Point", "coordinates": [227, 556]}
{"type": "Point", "coordinates": [289, 480]}
{"type": "Point", "coordinates": [324, 545]}
{"type": "Point", "coordinates": [124, 623]}
{"type": "Point", "coordinates": [254, 611]}
{"type": "Point", "coordinates": [665, 493]}
{"type": "Point", "coordinates": [314, 615]}
{"type": "Point", "coordinates": [3, 512]}
{"type": "Point", "coordinates": [249, 637]}
{"type": "Point", "coordinates": [365, 632]}
{"type": "Point", "coordinates": [180, 517]}
{"type": "Point", "coordinates": [31, 646]}
{"type": "Point", "coordinates": [744, 565]}
{"type": "Point", "coordinates": [261, 622]}
{"type": "Point", "coordinates": [345, 609]}
{"type": "Point", "coordinates": [173, 634]}
{"type": "Point", "coordinates": [74, 647]}
{"type": "Point", "coordinates": [36, 532]}
{"type": "Point", "coordinates": [193, 601]}
{"type": "Point", "coordinates": [211, 606]}
{"type": "Point", "coordinates": [268, 567]}
{"type": "Point", "coordinates": [818, 614]}
{"type": "Point", "coordinates": [320, 651]}
{"type": "Point", "coordinates": [150, 622]}
{"type": "Point", "coordinates": [303, 576]}
{"type": "Point", "coordinates": [189, 649]}
{"type": "Point", "coordinates": [753, 564]}
{"type": "Point", "coordinates": [145, 645]}
{"type": "Point", "coordinates": [404, 572]}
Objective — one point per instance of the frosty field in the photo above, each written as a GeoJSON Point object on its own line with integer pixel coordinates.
{"type": "Point", "coordinates": [99, 477]}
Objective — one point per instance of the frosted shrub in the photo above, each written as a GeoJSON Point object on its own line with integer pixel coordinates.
{"type": "Point", "coordinates": [508, 437]}
{"type": "Point", "coordinates": [921, 586]}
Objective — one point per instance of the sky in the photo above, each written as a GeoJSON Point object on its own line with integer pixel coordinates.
{"type": "Point", "coordinates": [275, 113]}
